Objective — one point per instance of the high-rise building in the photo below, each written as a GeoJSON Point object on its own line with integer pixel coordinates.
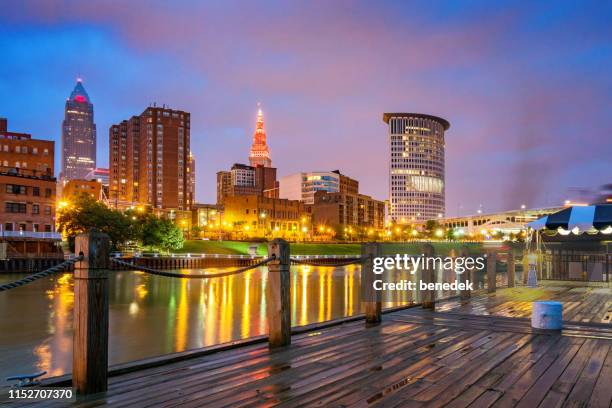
{"type": "Point", "coordinates": [416, 167]}
{"type": "Point", "coordinates": [260, 154]}
{"type": "Point", "coordinates": [78, 135]}
{"type": "Point", "coordinates": [303, 186]}
{"type": "Point", "coordinates": [150, 160]}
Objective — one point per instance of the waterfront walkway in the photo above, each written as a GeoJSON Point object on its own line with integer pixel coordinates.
{"type": "Point", "coordinates": [458, 357]}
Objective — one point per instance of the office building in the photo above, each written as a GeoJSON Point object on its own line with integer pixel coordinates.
{"type": "Point", "coordinates": [416, 167]}
{"type": "Point", "coordinates": [78, 135]}
{"type": "Point", "coordinates": [260, 154]}
{"type": "Point", "coordinates": [339, 210]}
{"type": "Point", "coordinates": [150, 160]}
{"type": "Point", "coordinates": [302, 186]}
{"type": "Point", "coordinates": [265, 215]}
{"type": "Point", "coordinates": [246, 180]}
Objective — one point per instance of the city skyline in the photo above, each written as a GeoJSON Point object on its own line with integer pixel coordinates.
{"type": "Point", "coordinates": [523, 132]}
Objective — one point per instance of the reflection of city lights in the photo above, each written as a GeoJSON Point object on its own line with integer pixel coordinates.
{"type": "Point", "coordinates": [133, 309]}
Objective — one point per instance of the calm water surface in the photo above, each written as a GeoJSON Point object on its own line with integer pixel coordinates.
{"type": "Point", "coordinates": [153, 315]}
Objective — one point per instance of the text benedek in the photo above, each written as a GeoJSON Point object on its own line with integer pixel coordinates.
{"type": "Point", "coordinates": [409, 285]}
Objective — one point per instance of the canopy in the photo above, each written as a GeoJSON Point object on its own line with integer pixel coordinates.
{"type": "Point", "coordinates": [585, 218]}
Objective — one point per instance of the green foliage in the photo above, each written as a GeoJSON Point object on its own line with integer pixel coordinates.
{"type": "Point", "coordinates": [158, 233]}
{"type": "Point", "coordinates": [85, 214]}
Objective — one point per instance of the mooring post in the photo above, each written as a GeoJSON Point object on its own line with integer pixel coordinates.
{"type": "Point", "coordinates": [428, 275]}
{"type": "Point", "coordinates": [511, 268]}
{"type": "Point", "coordinates": [371, 297]}
{"type": "Point", "coordinates": [491, 271]}
{"type": "Point", "coordinates": [465, 276]}
{"type": "Point", "coordinates": [90, 338]}
{"type": "Point", "coordinates": [278, 295]}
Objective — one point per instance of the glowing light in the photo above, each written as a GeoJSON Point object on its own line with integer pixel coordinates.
{"type": "Point", "coordinates": [439, 232]}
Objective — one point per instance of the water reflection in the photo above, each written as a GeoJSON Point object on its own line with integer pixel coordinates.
{"type": "Point", "coordinates": [151, 315]}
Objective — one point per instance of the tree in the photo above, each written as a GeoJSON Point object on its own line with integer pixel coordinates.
{"type": "Point", "coordinates": [85, 213]}
{"type": "Point", "coordinates": [430, 228]}
{"type": "Point", "coordinates": [160, 233]}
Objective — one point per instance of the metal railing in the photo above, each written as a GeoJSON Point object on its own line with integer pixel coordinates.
{"type": "Point", "coordinates": [31, 234]}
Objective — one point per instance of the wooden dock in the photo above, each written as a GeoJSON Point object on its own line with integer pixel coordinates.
{"type": "Point", "coordinates": [454, 358]}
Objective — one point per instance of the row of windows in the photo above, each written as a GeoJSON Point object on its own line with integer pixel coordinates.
{"type": "Point", "coordinates": [23, 190]}
{"type": "Point", "coordinates": [24, 150]}
{"type": "Point", "coordinates": [9, 226]}
{"type": "Point", "coordinates": [21, 208]}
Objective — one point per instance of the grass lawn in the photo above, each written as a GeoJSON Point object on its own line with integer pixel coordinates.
{"type": "Point", "coordinates": [239, 247]}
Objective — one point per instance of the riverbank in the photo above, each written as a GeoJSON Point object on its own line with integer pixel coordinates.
{"type": "Point", "coordinates": [315, 248]}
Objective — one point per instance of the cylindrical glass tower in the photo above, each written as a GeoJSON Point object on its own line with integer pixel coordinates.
{"type": "Point", "coordinates": [416, 166]}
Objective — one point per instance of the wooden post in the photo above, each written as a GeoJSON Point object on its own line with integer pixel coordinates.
{"type": "Point", "coordinates": [511, 268]}
{"type": "Point", "coordinates": [278, 295]}
{"type": "Point", "coordinates": [466, 294]}
{"type": "Point", "coordinates": [90, 338]}
{"type": "Point", "coordinates": [525, 273]}
{"type": "Point", "coordinates": [428, 275]}
{"type": "Point", "coordinates": [491, 271]}
{"type": "Point", "coordinates": [371, 297]}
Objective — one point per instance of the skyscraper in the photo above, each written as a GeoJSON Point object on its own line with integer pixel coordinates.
{"type": "Point", "coordinates": [260, 154]}
{"type": "Point", "coordinates": [78, 135]}
{"type": "Point", "coordinates": [416, 168]}
{"type": "Point", "coordinates": [150, 160]}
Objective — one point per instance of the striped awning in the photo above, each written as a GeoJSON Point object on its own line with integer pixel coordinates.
{"type": "Point", "coordinates": [585, 218]}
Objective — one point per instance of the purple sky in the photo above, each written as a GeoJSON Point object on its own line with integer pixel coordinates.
{"type": "Point", "coordinates": [527, 88]}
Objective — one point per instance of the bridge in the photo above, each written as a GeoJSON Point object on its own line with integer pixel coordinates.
{"type": "Point", "coordinates": [474, 349]}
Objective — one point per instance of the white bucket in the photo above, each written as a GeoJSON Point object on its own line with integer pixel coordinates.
{"type": "Point", "coordinates": [547, 315]}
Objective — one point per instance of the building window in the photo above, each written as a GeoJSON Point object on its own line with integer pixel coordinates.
{"type": "Point", "coordinates": [47, 228]}
{"type": "Point", "coordinates": [47, 210]}
{"type": "Point", "coordinates": [35, 209]}
{"type": "Point", "coordinates": [48, 192]}
{"type": "Point", "coordinates": [15, 189]}
{"type": "Point", "coordinates": [35, 227]}
{"type": "Point", "coordinates": [15, 208]}
{"type": "Point", "coordinates": [8, 226]}
{"type": "Point", "coordinates": [36, 191]}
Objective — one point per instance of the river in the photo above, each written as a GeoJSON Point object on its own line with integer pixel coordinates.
{"type": "Point", "coordinates": [153, 315]}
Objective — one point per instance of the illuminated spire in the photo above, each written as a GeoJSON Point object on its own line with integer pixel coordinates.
{"type": "Point", "coordinates": [260, 154]}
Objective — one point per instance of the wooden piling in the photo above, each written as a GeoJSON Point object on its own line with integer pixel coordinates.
{"type": "Point", "coordinates": [278, 295]}
{"type": "Point", "coordinates": [371, 297]}
{"type": "Point", "coordinates": [428, 275]}
{"type": "Point", "coordinates": [90, 338]}
{"type": "Point", "coordinates": [465, 294]}
{"type": "Point", "coordinates": [491, 271]}
{"type": "Point", "coordinates": [511, 269]}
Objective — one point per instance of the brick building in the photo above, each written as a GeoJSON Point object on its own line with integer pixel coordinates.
{"type": "Point", "coordinates": [27, 194]}
{"type": "Point", "coordinates": [75, 187]}
{"type": "Point", "coordinates": [265, 215]}
{"type": "Point", "coordinates": [246, 180]}
{"type": "Point", "coordinates": [150, 161]}
{"type": "Point", "coordinates": [340, 210]}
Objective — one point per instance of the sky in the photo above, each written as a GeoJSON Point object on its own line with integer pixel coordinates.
{"type": "Point", "coordinates": [526, 86]}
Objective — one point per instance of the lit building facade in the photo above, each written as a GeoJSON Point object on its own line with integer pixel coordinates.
{"type": "Point", "coordinates": [27, 194]}
{"type": "Point", "coordinates": [416, 167]}
{"type": "Point", "coordinates": [265, 215]}
{"type": "Point", "coordinates": [76, 187]}
{"type": "Point", "coordinates": [78, 135]}
{"type": "Point", "coordinates": [246, 180]}
{"type": "Point", "coordinates": [341, 210]}
{"type": "Point", "coordinates": [260, 153]}
{"type": "Point", "coordinates": [303, 186]}
{"type": "Point", "coordinates": [150, 160]}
